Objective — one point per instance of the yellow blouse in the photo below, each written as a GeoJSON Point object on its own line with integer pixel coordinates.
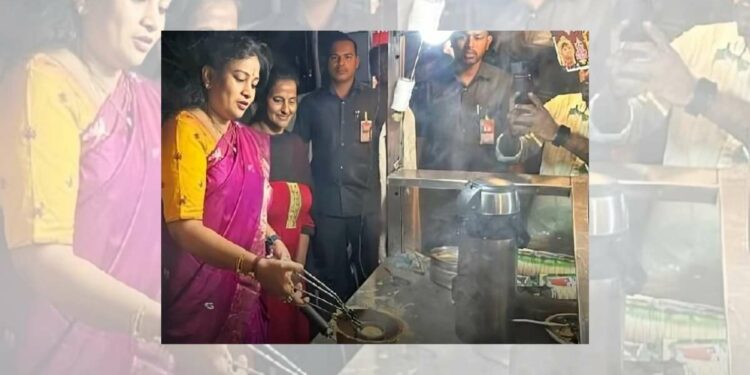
{"type": "Point", "coordinates": [44, 113]}
{"type": "Point", "coordinates": [572, 111]}
{"type": "Point", "coordinates": [186, 146]}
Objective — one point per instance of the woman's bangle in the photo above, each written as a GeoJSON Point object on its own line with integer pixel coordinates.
{"type": "Point", "coordinates": [137, 322]}
{"type": "Point", "coordinates": [137, 325]}
{"type": "Point", "coordinates": [254, 265]}
{"type": "Point", "coordinates": [240, 266]}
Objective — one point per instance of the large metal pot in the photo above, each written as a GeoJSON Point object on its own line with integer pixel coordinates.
{"type": "Point", "coordinates": [484, 289]}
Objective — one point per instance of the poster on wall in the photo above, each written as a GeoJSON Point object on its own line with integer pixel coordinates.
{"type": "Point", "coordinates": [572, 49]}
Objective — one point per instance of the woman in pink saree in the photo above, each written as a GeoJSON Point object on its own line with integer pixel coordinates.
{"type": "Point", "coordinates": [215, 195]}
{"type": "Point", "coordinates": [79, 187]}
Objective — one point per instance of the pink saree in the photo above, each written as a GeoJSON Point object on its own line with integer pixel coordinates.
{"type": "Point", "coordinates": [204, 304]}
{"type": "Point", "coordinates": [116, 228]}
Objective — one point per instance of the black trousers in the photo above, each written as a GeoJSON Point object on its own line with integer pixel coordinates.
{"type": "Point", "coordinates": [345, 251]}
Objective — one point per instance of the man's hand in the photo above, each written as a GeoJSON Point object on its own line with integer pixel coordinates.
{"type": "Point", "coordinates": [532, 118]}
{"type": "Point", "coordinates": [652, 66]}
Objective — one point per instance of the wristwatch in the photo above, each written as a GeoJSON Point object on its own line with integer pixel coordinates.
{"type": "Point", "coordinates": [271, 239]}
{"type": "Point", "coordinates": [563, 133]}
{"type": "Point", "coordinates": [703, 96]}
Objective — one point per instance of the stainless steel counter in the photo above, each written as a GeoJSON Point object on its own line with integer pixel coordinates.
{"type": "Point", "coordinates": [455, 180]}
{"type": "Point", "coordinates": [427, 309]}
{"type": "Point", "coordinates": [423, 306]}
{"type": "Point", "coordinates": [400, 206]}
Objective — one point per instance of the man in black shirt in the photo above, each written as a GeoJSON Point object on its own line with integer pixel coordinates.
{"type": "Point", "coordinates": [589, 15]}
{"type": "Point", "coordinates": [319, 15]}
{"type": "Point", "coordinates": [343, 122]}
{"type": "Point", "coordinates": [458, 124]}
{"type": "Point", "coordinates": [465, 109]}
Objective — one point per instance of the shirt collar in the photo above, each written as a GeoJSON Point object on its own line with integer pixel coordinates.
{"type": "Point", "coordinates": [546, 3]}
{"type": "Point", "coordinates": [356, 88]}
{"type": "Point", "coordinates": [483, 73]}
{"type": "Point", "coordinates": [524, 9]}
{"type": "Point", "coordinates": [301, 19]}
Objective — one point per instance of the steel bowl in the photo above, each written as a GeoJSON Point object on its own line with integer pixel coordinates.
{"type": "Point", "coordinates": [378, 327]}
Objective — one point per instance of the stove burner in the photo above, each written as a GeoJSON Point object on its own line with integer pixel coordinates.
{"type": "Point", "coordinates": [377, 327]}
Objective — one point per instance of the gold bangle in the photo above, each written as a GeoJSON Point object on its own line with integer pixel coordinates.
{"type": "Point", "coordinates": [253, 266]}
{"type": "Point", "coordinates": [238, 265]}
{"type": "Point", "coordinates": [239, 269]}
{"type": "Point", "coordinates": [138, 324]}
{"type": "Point", "coordinates": [137, 321]}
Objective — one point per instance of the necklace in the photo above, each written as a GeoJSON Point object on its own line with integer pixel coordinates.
{"type": "Point", "coordinates": [96, 82]}
{"type": "Point", "coordinates": [216, 128]}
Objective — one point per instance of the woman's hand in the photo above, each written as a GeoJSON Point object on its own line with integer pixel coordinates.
{"type": "Point", "coordinates": [202, 359]}
{"type": "Point", "coordinates": [275, 276]}
{"type": "Point", "coordinates": [281, 252]}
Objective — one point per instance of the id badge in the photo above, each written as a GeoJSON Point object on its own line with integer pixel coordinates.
{"type": "Point", "coordinates": [365, 130]}
{"type": "Point", "coordinates": [487, 131]}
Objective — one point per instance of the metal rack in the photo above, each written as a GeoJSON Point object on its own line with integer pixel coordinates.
{"type": "Point", "coordinates": [399, 205]}
{"type": "Point", "coordinates": [729, 190]}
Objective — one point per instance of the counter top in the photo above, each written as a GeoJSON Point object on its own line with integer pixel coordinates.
{"type": "Point", "coordinates": [426, 308]}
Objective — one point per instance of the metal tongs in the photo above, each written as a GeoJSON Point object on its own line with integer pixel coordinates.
{"type": "Point", "coordinates": [336, 302]}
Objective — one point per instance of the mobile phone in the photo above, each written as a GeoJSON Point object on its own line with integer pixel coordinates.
{"type": "Point", "coordinates": [522, 82]}
{"type": "Point", "coordinates": [635, 12]}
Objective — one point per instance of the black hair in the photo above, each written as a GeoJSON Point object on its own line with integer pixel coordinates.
{"type": "Point", "coordinates": [280, 72]}
{"type": "Point", "coordinates": [378, 60]}
{"type": "Point", "coordinates": [338, 36]}
{"type": "Point", "coordinates": [181, 13]}
{"type": "Point", "coordinates": [56, 24]}
{"type": "Point", "coordinates": [186, 53]}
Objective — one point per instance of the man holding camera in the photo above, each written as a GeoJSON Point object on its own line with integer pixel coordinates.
{"type": "Point", "coordinates": [693, 92]}
{"type": "Point", "coordinates": [558, 129]}
{"type": "Point", "coordinates": [465, 109]}
{"type": "Point", "coordinates": [459, 118]}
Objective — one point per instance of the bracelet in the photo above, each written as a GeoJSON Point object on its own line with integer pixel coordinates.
{"type": "Point", "coordinates": [271, 239]}
{"type": "Point", "coordinates": [238, 264]}
{"type": "Point", "coordinates": [137, 322]}
{"type": "Point", "coordinates": [253, 266]}
{"type": "Point", "coordinates": [509, 159]}
{"type": "Point", "coordinates": [136, 328]}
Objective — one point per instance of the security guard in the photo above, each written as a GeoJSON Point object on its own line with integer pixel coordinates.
{"type": "Point", "coordinates": [458, 126]}
{"type": "Point", "coordinates": [343, 122]}
{"type": "Point", "coordinates": [465, 110]}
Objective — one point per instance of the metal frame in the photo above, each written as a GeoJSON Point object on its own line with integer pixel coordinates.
{"type": "Point", "coordinates": [401, 183]}
{"type": "Point", "coordinates": [579, 197]}
{"type": "Point", "coordinates": [729, 189]}
{"type": "Point", "coordinates": [734, 198]}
